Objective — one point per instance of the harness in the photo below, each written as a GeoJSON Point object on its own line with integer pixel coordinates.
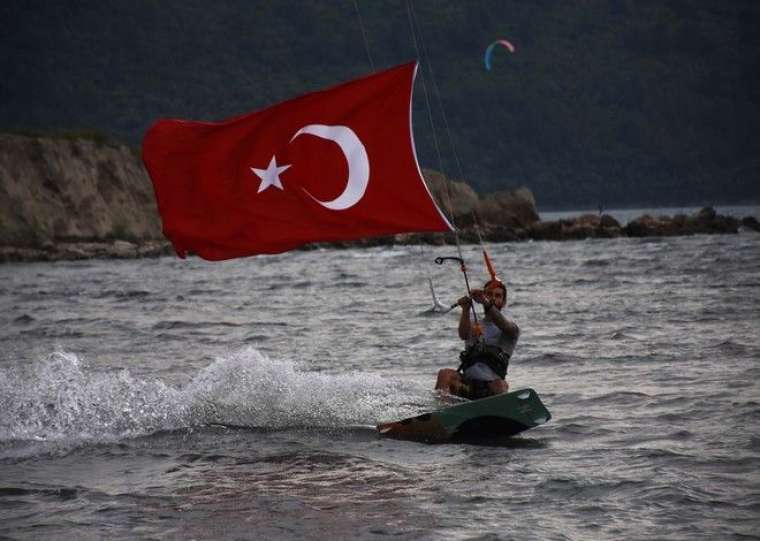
{"type": "Point", "coordinates": [494, 357]}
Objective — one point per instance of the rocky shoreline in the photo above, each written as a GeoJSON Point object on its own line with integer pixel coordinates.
{"type": "Point", "coordinates": [72, 251]}
{"type": "Point", "coordinates": [704, 222]}
{"type": "Point", "coordinates": [71, 198]}
{"type": "Point", "coordinates": [586, 226]}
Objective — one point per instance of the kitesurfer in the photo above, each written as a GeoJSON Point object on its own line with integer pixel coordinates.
{"type": "Point", "coordinates": [484, 361]}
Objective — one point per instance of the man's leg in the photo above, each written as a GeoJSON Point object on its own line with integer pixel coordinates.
{"type": "Point", "coordinates": [498, 386]}
{"type": "Point", "coordinates": [449, 381]}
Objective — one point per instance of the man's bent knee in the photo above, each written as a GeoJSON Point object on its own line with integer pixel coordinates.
{"type": "Point", "coordinates": [498, 386]}
{"type": "Point", "coordinates": [447, 378]}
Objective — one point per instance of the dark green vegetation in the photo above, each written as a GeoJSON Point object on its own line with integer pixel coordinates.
{"type": "Point", "coordinates": [617, 102]}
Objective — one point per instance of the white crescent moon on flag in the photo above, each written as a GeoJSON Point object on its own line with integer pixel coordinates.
{"type": "Point", "coordinates": [356, 156]}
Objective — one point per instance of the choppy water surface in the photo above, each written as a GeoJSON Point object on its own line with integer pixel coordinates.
{"type": "Point", "coordinates": [117, 376]}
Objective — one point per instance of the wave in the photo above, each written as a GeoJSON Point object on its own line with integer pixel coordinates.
{"type": "Point", "coordinates": [623, 335]}
{"type": "Point", "coordinates": [62, 493]}
{"type": "Point", "coordinates": [291, 284]}
{"type": "Point", "coordinates": [597, 263]}
{"type": "Point", "coordinates": [60, 398]}
{"type": "Point", "coordinates": [24, 319]}
{"type": "Point", "coordinates": [754, 443]}
{"type": "Point", "coordinates": [627, 398]}
{"type": "Point", "coordinates": [638, 440]}
{"type": "Point", "coordinates": [585, 281]}
{"type": "Point", "coordinates": [573, 430]}
{"type": "Point", "coordinates": [381, 253]}
{"type": "Point", "coordinates": [57, 332]}
{"type": "Point", "coordinates": [588, 489]}
{"type": "Point", "coordinates": [734, 347]}
{"type": "Point", "coordinates": [176, 324]}
{"type": "Point", "coordinates": [554, 358]}
{"type": "Point", "coordinates": [122, 294]}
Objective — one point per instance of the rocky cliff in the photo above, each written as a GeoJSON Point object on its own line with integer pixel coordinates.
{"type": "Point", "coordinates": [61, 189]}
{"type": "Point", "coordinates": [70, 197]}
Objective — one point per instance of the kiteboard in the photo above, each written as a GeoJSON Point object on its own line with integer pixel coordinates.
{"type": "Point", "coordinates": [494, 417]}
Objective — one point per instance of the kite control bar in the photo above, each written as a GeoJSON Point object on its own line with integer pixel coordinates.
{"type": "Point", "coordinates": [440, 261]}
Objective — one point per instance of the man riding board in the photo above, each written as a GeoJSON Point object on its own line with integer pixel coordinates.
{"type": "Point", "coordinates": [489, 340]}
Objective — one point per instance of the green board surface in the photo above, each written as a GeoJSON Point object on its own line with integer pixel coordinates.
{"type": "Point", "coordinates": [494, 417]}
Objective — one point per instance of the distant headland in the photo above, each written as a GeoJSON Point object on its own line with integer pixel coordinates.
{"type": "Point", "coordinates": [83, 196]}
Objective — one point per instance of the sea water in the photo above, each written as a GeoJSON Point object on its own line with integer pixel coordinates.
{"type": "Point", "coordinates": [167, 398]}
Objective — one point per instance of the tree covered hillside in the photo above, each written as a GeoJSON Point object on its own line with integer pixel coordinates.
{"type": "Point", "coordinates": [613, 102]}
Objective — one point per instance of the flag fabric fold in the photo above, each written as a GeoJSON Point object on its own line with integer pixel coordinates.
{"type": "Point", "coordinates": [337, 164]}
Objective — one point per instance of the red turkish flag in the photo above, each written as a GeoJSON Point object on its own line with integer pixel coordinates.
{"type": "Point", "coordinates": [333, 165]}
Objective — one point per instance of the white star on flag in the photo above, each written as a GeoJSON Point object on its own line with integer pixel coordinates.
{"type": "Point", "coordinates": [270, 176]}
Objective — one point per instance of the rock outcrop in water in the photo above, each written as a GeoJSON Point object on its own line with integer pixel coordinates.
{"type": "Point", "coordinates": [81, 197]}
{"type": "Point", "coordinates": [706, 221]}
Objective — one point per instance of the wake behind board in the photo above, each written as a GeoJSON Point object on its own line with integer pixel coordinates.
{"type": "Point", "coordinates": [494, 417]}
